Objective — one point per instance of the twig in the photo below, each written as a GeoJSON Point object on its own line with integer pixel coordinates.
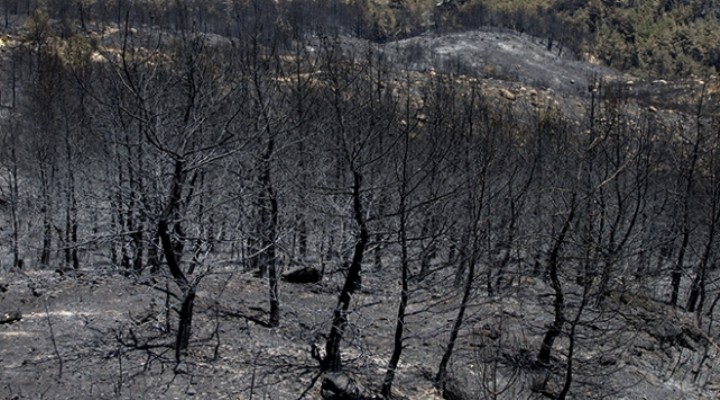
{"type": "Point", "coordinates": [52, 337]}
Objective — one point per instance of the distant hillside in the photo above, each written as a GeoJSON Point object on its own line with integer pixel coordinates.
{"type": "Point", "coordinates": [652, 37]}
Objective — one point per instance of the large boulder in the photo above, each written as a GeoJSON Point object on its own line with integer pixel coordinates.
{"type": "Point", "coordinates": [303, 275]}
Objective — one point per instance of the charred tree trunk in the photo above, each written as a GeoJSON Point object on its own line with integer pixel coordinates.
{"type": "Point", "coordinates": [441, 376]}
{"type": "Point", "coordinates": [686, 227]}
{"type": "Point", "coordinates": [571, 346]}
{"type": "Point", "coordinates": [559, 303]}
{"type": "Point", "coordinates": [47, 221]}
{"type": "Point", "coordinates": [272, 266]}
{"type": "Point", "coordinates": [71, 255]}
{"type": "Point", "coordinates": [404, 276]}
{"type": "Point", "coordinates": [333, 361]}
{"type": "Point", "coordinates": [113, 228]}
{"type": "Point", "coordinates": [399, 328]}
{"type": "Point", "coordinates": [172, 256]}
{"type": "Point", "coordinates": [184, 332]}
{"type": "Point", "coordinates": [697, 291]}
{"type": "Point", "coordinates": [679, 266]}
{"type": "Point", "coordinates": [270, 235]}
{"type": "Point", "coordinates": [15, 190]}
{"type": "Point", "coordinates": [153, 257]}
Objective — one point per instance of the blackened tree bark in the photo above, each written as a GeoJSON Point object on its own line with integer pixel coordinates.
{"type": "Point", "coordinates": [553, 266]}
{"type": "Point", "coordinates": [71, 217]}
{"type": "Point", "coordinates": [172, 257]}
{"type": "Point", "coordinates": [404, 270]}
{"type": "Point", "coordinates": [183, 112]}
{"type": "Point", "coordinates": [711, 193]}
{"type": "Point", "coordinates": [268, 201]}
{"type": "Point", "coordinates": [441, 376]}
{"type": "Point", "coordinates": [477, 166]}
{"type": "Point", "coordinates": [685, 223]}
{"type": "Point", "coordinates": [270, 236]}
{"type": "Point", "coordinates": [332, 360]}
{"type": "Point", "coordinates": [696, 299]}
{"type": "Point", "coordinates": [572, 337]}
{"type": "Point", "coordinates": [47, 174]}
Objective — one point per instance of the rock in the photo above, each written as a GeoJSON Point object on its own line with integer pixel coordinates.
{"type": "Point", "coordinates": [652, 109]}
{"type": "Point", "coordinates": [487, 331]}
{"type": "Point", "coordinates": [10, 317]}
{"type": "Point", "coordinates": [508, 94]}
{"type": "Point", "coordinates": [339, 386]}
{"type": "Point", "coordinates": [545, 387]}
{"type": "Point", "coordinates": [608, 360]}
{"type": "Point", "coordinates": [455, 390]}
{"type": "Point", "coordinates": [303, 275]}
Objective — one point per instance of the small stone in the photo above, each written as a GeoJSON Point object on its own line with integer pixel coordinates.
{"type": "Point", "coordinates": [508, 94]}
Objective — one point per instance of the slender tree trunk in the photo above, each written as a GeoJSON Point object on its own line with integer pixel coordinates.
{"type": "Point", "coordinates": [81, 10]}
{"type": "Point", "coordinates": [185, 323]}
{"type": "Point", "coordinates": [133, 243]}
{"type": "Point", "coordinates": [113, 228]}
{"type": "Point", "coordinates": [571, 347]}
{"type": "Point", "coordinates": [302, 237]}
{"type": "Point", "coordinates": [47, 222]}
{"type": "Point", "coordinates": [121, 217]}
{"type": "Point", "coordinates": [400, 324]}
{"type": "Point", "coordinates": [172, 257]}
{"type": "Point", "coordinates": [378, 252]}
{"type": "Point", "coordinates": [404, 276]}
{"type": "Point", "coordinates": [271, 239]}
{"type": "Point", "coordinates": [74, 234]}
{"type": "Point", "coordinates": [71, 255]}
{"type": "Point", "coordinates": [272, 265]}
{"type": "Point", "coordinates": [153, 258]}
{"type": "Point", "coordinates": [14, 187]}
{"type": "Point", "coordinates": [697, 291]}
{"type": "Point", "coordinates": [679, 266]}
{"type": "Point", "coordinates": [559, 303]}
{"type": "Point", "coordinates": [332, 361]}
{"type": "Point", "coordinates": [441, 376]}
